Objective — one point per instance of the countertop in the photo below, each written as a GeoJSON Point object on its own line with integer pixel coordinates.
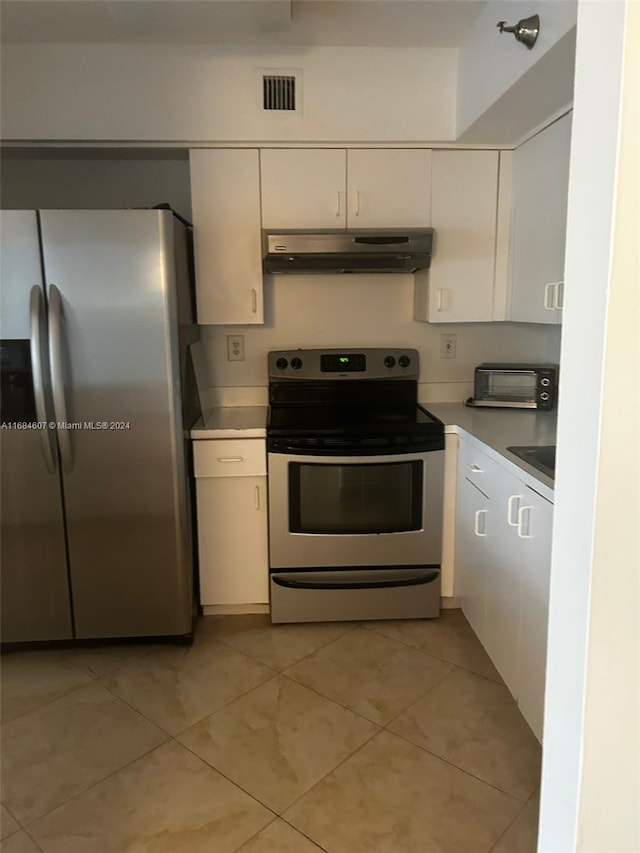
{"type": "Point", "coordinates": [493, 429]}
{"type": "Point", "coordinates": [232, 422]}
{"type": "Point", "coordinates": [497, 429]}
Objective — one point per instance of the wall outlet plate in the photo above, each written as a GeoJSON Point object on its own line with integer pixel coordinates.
{"type": "Point", "coordinates": [235, 347]}
{"type": "Point", "coordinates": [448, 346]}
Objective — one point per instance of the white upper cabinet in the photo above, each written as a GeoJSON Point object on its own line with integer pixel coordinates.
{"type": "Point", "coordinates": [225, 201]}
{"type": "Point", "coordinates": [459, 286]}
{"type": "Point", "coordinates": [388, 188]}
{"type": "Point", "coordinates": [540, 188]}
{"type": "Point", "coordinates": [303, 188]}
{"type": "Point", "coordinates": [334, 188]}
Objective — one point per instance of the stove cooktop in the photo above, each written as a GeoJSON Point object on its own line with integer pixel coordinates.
{"type": "Point", "coordinates": [348, 399]}
{"type": "Point", "coordinates": [349, 419]}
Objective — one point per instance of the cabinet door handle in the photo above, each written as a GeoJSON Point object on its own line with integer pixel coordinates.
{"type": "Point", "coordinates": [549, 296]}
{"type": "Point", "coordinates": [558, 297]}
{"type": "Point", "coordinates": [230, 458]}
{"type": "Point", "coordinates": [520, 524]}
{"type": "Point", "coordinates": [357, 202]}
{"type": "Point", "coordinates": [339, 195]}
{"type": "Point", "coordinates": [512, 517]}
{"type": "Point", "coordinates": [254, 300]}
{"type": "Point", "coordinates": [440, 305]}
{"type": "Point", "coordinates": [476, 522]}
{"type": "Point", "coordinates": [257, 497]}
{"type": "Point", "coordinates": [476, 469]}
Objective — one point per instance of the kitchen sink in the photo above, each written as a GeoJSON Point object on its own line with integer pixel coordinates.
{"type": "Point", "coordinates": [542, 458]}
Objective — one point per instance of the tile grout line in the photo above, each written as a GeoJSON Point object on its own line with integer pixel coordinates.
{"type": "Point", "coordinates": [509, 825]}
{"type": "Point", "coordinates": [347, 708]}
{"type": "Point", "coordinates": [329, 699]}
{"type": "Point", "coordinates": [4, 805]}
{"type": "Point", "coordinates": [231, 782]}
{"type": "Point", "coordinates": [336, 768]}
{"type": "Point", "coordinates": [34, 820]}
{"type": "Point", "coordinates": [460, 769]}
{"type": "Point", "coordinates": [208, 714]}
{"type": "Point", "coordinates": [304, 834]}
{"type": "Point", "coordinates": [422, 695]}
{"type": "Point", "coordinates": [47, 702]}
{"type": "Point", "coordinates": [26, 832]}
{"type": "Point", "coordinates": [438, 657]}
{"type": "Point", "coordinates": [299, 660]}
{"type": "Point", "coordinates": [253, 796]}
{"type": "Point", "coordinates": [255, 835]}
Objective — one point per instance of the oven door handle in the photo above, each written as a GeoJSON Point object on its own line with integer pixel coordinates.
{"type": "Point", "coordinates": [294, 581]}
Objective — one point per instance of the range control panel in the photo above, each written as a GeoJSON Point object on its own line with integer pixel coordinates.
{"type": "Point", "coordinates": [336, 364]}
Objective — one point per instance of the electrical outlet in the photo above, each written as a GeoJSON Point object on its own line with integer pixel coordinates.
{"type": "Point", "coordinates": [235, 347]}
{"type": "Point", "coordinates": [448, 346]}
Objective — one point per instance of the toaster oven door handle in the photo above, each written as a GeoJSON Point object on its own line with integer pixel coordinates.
{"type": "Point", "coordinates": [306, 580]}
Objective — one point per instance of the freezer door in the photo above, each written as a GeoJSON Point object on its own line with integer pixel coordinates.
{"type": "Point", "coordinates": [113, 336]}
{"type": "Point", "coordinates": [33, 565]}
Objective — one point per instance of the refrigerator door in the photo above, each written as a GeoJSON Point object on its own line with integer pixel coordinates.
{"type": "Point", "coordinates": [115, 367]}
{"type": "Point", "coordinates": [33, 564]}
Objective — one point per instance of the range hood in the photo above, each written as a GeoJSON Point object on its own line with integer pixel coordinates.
{"type": "Point", "coordinates": [372, 250]}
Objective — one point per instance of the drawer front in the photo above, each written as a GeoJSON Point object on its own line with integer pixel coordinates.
{"type": "Point", "coordinates": [230, 457]}
{"type": "Point", "coordinates": [476, 467]}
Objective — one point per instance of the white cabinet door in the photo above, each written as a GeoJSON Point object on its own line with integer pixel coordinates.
{"type": "Point", "coordinates": [472, 530]}
{"type": "Point", "coordinates": [459, 286]}
{"type": "Point", "coordinates": [303, 188]}
{"type": "Point", "coordinates": [232, 540]}
{"type": "Point", "coordinates": [388, 188]}
{"type": "Point", "coordinates": [504, 580]}
{"type": "Point", "coordinates": [225, 200]}
{"type": "Point", "coordinates": [536, 525]}
{"type": "Point", "coordinates": [540, 188]}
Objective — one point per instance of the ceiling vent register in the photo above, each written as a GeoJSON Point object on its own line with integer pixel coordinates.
{"type": "Point", "coordinates": [279, 92]}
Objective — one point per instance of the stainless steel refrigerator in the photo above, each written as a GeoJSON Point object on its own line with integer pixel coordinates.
{"type": "Point", "coordinates": [97, 398]}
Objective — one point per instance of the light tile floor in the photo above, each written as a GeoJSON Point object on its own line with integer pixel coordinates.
{"type": "Point", "coordinates": [377, 737]}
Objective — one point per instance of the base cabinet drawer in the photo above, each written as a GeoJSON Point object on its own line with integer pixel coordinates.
{"type": "Point", "coordinates": [230, 457]}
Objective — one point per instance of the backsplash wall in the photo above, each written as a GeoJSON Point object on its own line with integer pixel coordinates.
{"type": "Point", "coordinates": [367, 310]}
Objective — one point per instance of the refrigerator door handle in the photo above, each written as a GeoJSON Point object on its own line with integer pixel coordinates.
{"type": "Point", "coordinates": [56, 360]}
{"type": "Point", "coordinates": [36, 307]}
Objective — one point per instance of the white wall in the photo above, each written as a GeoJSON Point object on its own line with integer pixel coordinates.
{"type": "Point", "coordinates": [67, 178]}
{"type": "Point", "coordinates": [199, 93]}
{"type": "Point", "coordinates": [609, 817]}
{"type": "Point", "coordinates": [366, 310]}
{"type": "Point", "coordinates": [590, 791]}
{"type": "Point", "coordinates": [505, 90]}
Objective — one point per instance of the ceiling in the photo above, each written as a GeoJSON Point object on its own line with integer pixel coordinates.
{"type": "Point", "coordinates": [279, 23]}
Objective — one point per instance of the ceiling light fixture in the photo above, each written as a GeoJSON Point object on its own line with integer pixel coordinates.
{"type": "Point", "coordinates": [525, 30]}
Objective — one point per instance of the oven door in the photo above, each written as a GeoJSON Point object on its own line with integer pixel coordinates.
{"type": "Point", "coordinates": [337, 511]}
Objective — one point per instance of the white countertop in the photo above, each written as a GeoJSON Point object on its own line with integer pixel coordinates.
{"type": "Point", "coordinates": [232, 422]}
{"type": "Point", "coordinates": [497, 429]}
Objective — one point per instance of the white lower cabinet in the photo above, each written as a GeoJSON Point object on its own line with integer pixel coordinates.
{"type": "Point", "coordinates": [471, 553]}
{"type": "Point", "coordinates": [502, 564]}
{"type": "Point", "coordinates": [537, 523]}
{"type": "Point", "coordinates": [231, 491]}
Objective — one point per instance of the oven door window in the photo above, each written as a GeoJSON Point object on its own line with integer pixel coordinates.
{"type": "Point", "coordinates": [343, 499]}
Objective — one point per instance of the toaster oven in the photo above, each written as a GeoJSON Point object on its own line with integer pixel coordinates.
{"type": "Point", "coordinates": [518, 386]}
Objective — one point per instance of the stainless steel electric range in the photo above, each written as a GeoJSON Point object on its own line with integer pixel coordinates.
{"type": "Point", "coordinates": [356, 472]}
